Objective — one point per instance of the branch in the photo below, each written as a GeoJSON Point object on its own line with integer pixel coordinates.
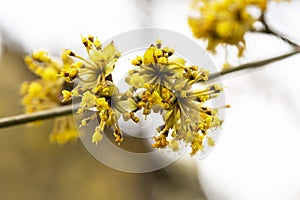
{"type": "Point", "coordinates": [65, 110]}
{"type": "Point", "coordinates": [254, 65]}
{"type": "Point", "coordinates": [44, 114]}
{"type": "Point", "coordinates": [270, 31]}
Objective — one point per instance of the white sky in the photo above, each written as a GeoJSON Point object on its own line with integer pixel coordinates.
{"type": "Point", "coordinates": [257, 157]}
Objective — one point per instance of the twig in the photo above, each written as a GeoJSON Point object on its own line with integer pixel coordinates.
{"type": "Point", "coordinates": [256, 64]}
{"type": "Point", "coordinates": [44, 114]}
{"type": "Point", "coordinates": [269, 30]}
{"type": "Point", "coordinates": [65, 110]}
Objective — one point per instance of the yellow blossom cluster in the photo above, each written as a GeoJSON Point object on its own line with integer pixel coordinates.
{"type": "Point", "coordinates": [224, 21]}
{"type": "Point", "coordinates": [45, 93]}
{"type": "Point", "coordinates": [92, 71]}
{"type": "Point", "coordinates": [161, 82]}
{"type": "Point", "coordinates": [95, 88]}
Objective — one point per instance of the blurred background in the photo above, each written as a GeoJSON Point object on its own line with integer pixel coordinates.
{"type": "Point", "coordinates": [257, 156]}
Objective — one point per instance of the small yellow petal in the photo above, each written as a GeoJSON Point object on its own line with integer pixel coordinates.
{"type": "Point", "coordinates": [50, 74]}
{"type": "Point", "coordinates": [210, 141]}
{"type": "Point", "coordinates": [97, 136]}
{"type": "Point", "coordinates": [67, 95]}
{"type": "Point", "coordinates": [35, 89]}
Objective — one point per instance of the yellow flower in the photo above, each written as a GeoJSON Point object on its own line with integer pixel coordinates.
{"type": "Point", "coordinates": [155, 98]}
{"type": "Point", "coordinates": [210, 141]}
{"type": "Point", "coordinates": [64, 131]}
{"type": "Point", "coordinates": [34, 89]}
{"type": "Point", "coordinates": [95, 87]}
{"type": "Point", "coordinates": [196, 144]}
{"type": "Point", "coordinates": [45, 93]}
{"type": "Point", "coordinates": [67, 95]}
{"type": "Point", "coordinates": [42, 65]}
{"type": "Point", "coordinates": [135, 80]}
{"type": "Point", "coordinates": [40, 95]}
{"type": "Point", "coordinates": [224, 21]}
{"type": "Point", "coordinates": [160, 141]}
{"type": "Point", "coordinates": [88, 100]}
{"type": "Point", "coordinates": [108, 105]}
{"type": "Point", "coordinates": [92, 71]}
{"type": "Point", "coordinates": [118, 136]}
{"type": "Point", "coordinates": [168, 89]}
{"type": "Point", "coordinates": [102, 104]}
{"type": "Point", "coordinates": [49, 74]}
{"type": "Point", "coordinates": [155, 68]}
{"type": "Point", "coordinates": [97, 135]}
{"type": "Point", "coordinates": [160, 82]}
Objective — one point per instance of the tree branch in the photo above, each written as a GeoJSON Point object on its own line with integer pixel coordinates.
{"type": "Point", "coordinates": [254, 65]}
{"type": "Point", "coordinates": [44, 114]}
{"type": "Point", "coordinates": [68, 109]}
{"type": "Point", "coordinates": [270, 31]}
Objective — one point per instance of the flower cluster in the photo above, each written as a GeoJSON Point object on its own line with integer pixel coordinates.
{"type": "Point", "coordinates": [45, 93]}
{"type": "Point", "coordinates": [225, 21]}
{"type": "Point", "coordinates": [159, 82]}
{"type": "Point", "coordinates": [93, 84]}
{"type": "Point", "coordinates": [162, 82]}
{"type": "Point", "coordinates": [92, 71]}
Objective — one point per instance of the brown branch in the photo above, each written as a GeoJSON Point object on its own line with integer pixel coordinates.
{"type": "Point", "coordinates": [254, 65]}
{"type": "Point", "coordinates": [68, 109]}
{"type": "Point", "coordinates": [40, 115]}
{"type": "Point", "coordinates": [271, 31]}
